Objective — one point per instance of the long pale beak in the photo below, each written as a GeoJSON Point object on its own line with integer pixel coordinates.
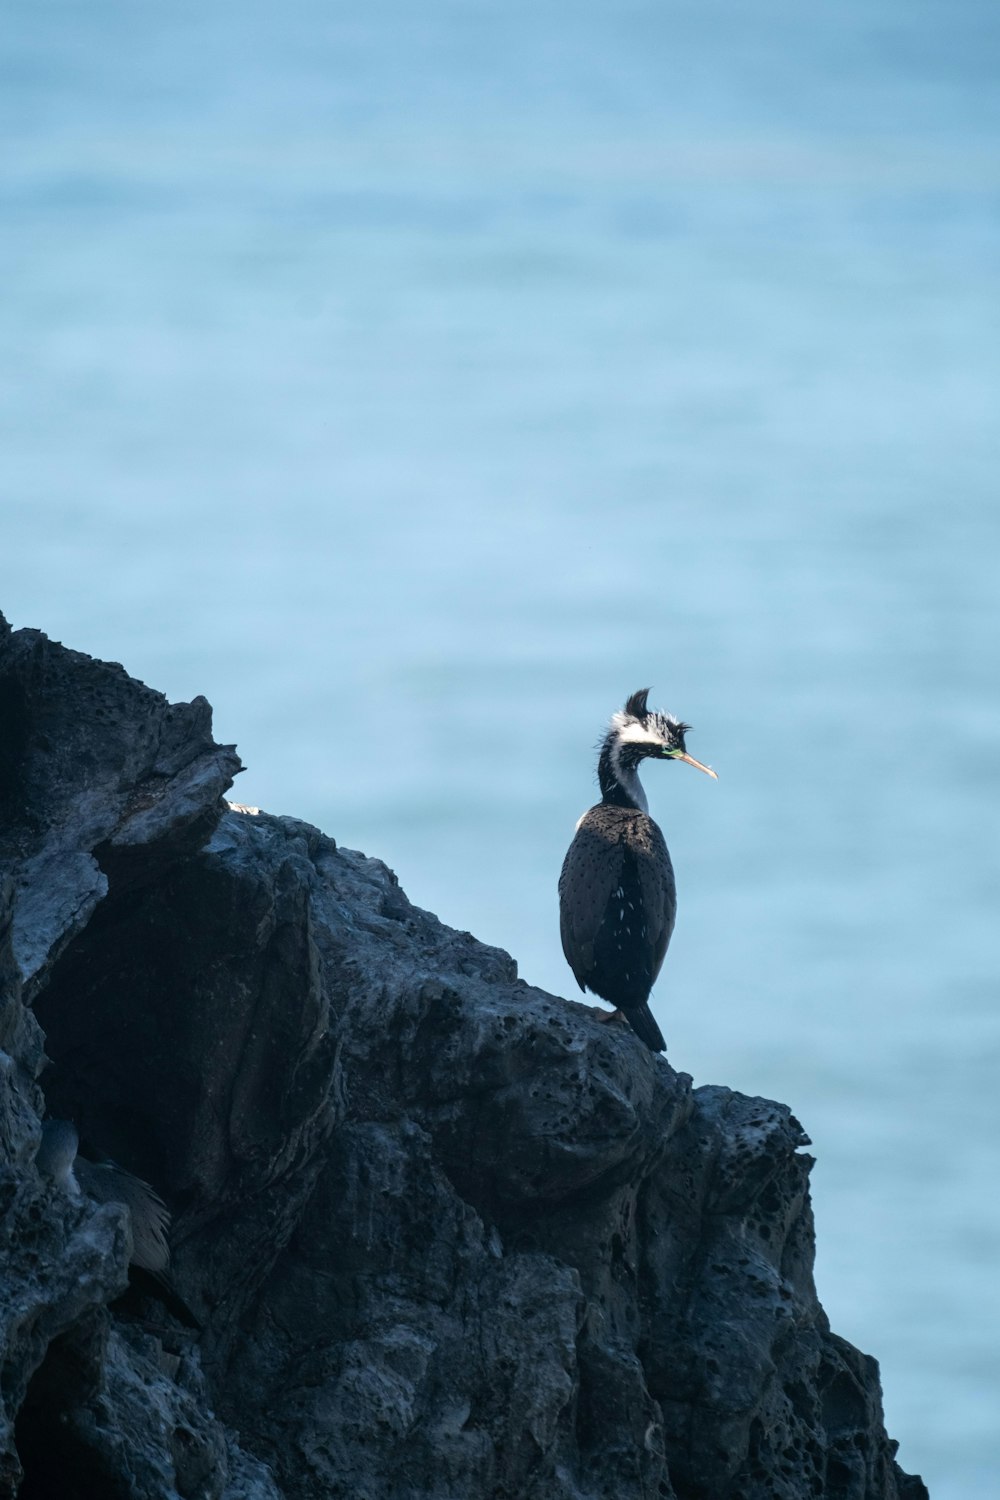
{"type": "Point", "coordinates": [696, 763]}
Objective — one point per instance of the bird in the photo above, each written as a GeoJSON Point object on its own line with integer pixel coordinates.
{"type": "Point", "coordinates": [58, 1159]}
{"type": "Point", "coordinates": [617, 896]}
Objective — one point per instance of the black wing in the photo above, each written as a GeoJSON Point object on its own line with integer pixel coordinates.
{"type": "Point", "coordinates": [655, 876]}
{"type": "Point", "coordinates": [109, 1183]}
{"type": "Point", "coordinates": [591, 872]}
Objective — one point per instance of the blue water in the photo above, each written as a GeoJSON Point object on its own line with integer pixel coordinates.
{"type": "Point", "coordinates": [415, 381]}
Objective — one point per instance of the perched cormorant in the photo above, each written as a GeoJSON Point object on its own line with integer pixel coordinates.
{"type": "Point", "coordinates": [59, 1160]}
{"type": "Point", "coordinates": [617, 898]}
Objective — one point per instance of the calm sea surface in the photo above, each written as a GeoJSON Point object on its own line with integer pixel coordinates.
{"type": "Point", "coordinates": [416, 381]}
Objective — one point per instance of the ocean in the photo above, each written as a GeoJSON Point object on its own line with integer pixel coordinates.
{"type": "Point", "coordinates": [417, 381]}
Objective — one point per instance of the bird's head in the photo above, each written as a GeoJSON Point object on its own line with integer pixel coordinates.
{"type": "Point", "coordinates": [637, 733]}
{"type": "Point", "coordinates": [57, 1153]}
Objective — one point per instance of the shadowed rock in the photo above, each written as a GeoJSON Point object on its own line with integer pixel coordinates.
{"type": "Point", "coordinates": [448, 1236]}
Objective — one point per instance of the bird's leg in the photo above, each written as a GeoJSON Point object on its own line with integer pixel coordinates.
{"type": "Point", "coordinates": [608, 1015]}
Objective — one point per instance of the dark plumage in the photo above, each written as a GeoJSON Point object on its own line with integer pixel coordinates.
{"type": "Point", "coordinates": [617, 898]}
{"type": "Point", "coordinates": [59, 1160]}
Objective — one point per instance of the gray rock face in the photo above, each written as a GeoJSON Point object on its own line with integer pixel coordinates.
{"type": "Point", "coordinates": [449, 1237]}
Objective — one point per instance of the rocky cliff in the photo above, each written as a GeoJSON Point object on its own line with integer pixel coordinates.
{"type": "Point", "coordinates": [446, 1236]}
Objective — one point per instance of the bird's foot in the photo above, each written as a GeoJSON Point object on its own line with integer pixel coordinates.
{"type": "Point", "coordinates": [608, 1015]}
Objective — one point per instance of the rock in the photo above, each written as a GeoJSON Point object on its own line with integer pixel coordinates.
{"type": "Point", "coordinates": [448, 1236]}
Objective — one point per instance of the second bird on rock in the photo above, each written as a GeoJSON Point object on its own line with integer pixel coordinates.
{"type": "Point", "coordinates": [617, 897]}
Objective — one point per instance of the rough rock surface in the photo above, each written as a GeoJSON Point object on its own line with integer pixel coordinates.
{"type": "Point", "coordinates": [449, 1237]}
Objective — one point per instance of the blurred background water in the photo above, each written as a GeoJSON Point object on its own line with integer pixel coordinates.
{"type": "Point", "coordinates": [416, 381]}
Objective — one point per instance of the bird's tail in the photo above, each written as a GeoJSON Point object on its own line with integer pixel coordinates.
{"type": "Point", "coordinates": [159, 1285]}
{"type": "Point", "coordinates": [640, 1018]}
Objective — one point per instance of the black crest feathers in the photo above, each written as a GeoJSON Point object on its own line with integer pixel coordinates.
{"type": "Point", "coordinates": [636, 705]}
